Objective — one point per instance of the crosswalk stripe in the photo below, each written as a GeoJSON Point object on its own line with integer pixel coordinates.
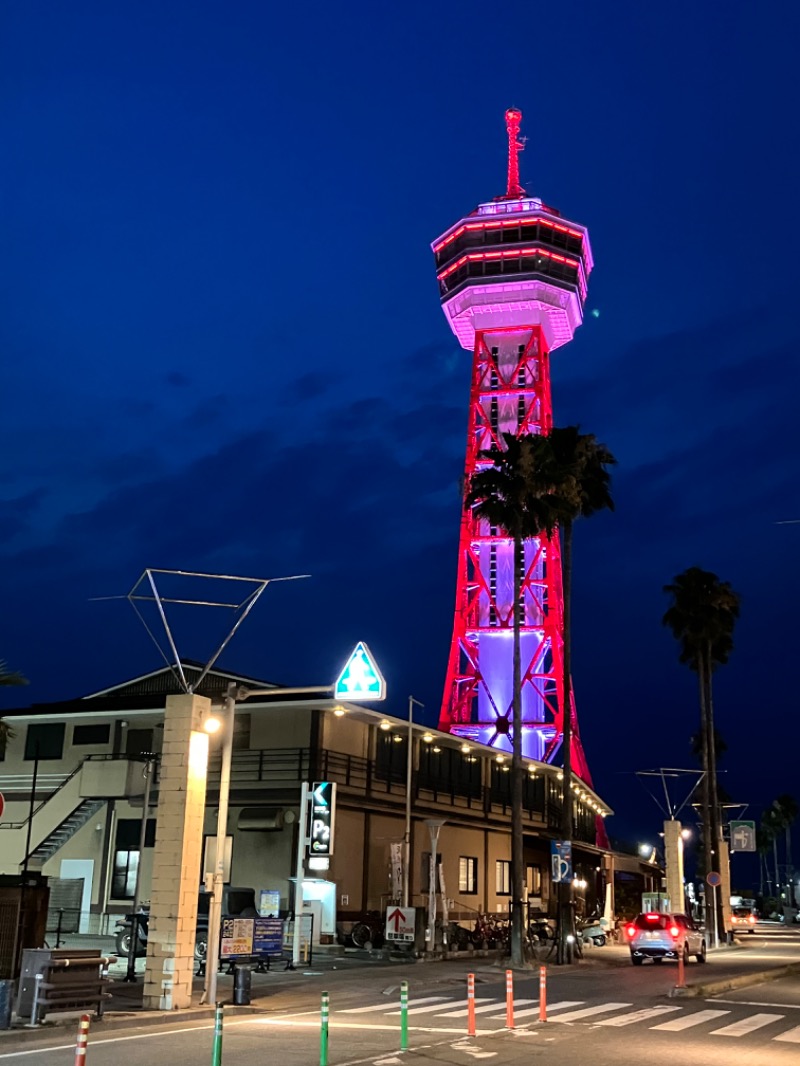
{"type": "Point", "coordinates": [462, 1012]}
{"type": "Point", "coordinates": [587, 1012]}
{"type": "Point", "coordinates": [383, 1006]}
{"type": "Point", "coordinates": [526, 1012]}
{"type": "Point", "coordinates": [677, 1025]}
{"type": "Point", "coordinates": [427, 1010]}
{"type": "Point", "coordinates": [747, 1025]}
{"type": "Point", "coordinates": [791, 1036]}
{"type": "Point", "coordinates": [637, 1016]}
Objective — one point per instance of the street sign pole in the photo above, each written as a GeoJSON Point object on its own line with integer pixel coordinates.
{"type": "Point", "coordinates": [299, 874]}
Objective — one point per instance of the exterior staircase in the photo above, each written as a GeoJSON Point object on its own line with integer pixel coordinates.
{"type": "Point", "coordinates": [63, 832]}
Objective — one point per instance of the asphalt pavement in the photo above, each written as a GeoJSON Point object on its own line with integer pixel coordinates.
{"type": "Point", "coordinates": [602, 995]}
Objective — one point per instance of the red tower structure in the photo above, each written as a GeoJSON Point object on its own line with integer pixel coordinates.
{"type": "Point", "coordinates": [512, 278]}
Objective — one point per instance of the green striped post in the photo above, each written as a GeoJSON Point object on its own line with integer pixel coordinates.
{"type": "Point", "coordinates": [404, 1016]}
{"type": "Point", "coordinates": [323, 1036]}
{"type": "Point", "coordinates": [216, 1054]}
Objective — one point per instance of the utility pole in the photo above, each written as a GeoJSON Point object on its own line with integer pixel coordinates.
{"type": "Point", "coordinates": [409, 771]}
{"type": "Point", "coordinates": [215, 907]}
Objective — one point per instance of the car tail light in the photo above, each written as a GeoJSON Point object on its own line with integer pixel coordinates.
{"type": "Point", "coordinates": [752, 919]}
{"type": "Point", "coordinates": [674, 932]}
{"type": "Point", "coordinates": [653, 917]}
{"type": "Point", "coordinates": [631, 930]}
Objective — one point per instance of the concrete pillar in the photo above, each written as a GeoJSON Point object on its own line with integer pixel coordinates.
{"type": "Point", "coordinates": [673, 860]}
{"type": "Point", "coordinates": [177, 855]}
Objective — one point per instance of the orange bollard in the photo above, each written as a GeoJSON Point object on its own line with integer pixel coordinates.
{"type": "Point", "coordinates": [542, 993]}
{"type": "Point", "coordinates": [681, 972]}
{"type": "Point", "coordinates": [83, 1038]}
{"type": "Point", "coordinates": [470, 1004]}
{"type": "Point", "coordinates": [509, 999]}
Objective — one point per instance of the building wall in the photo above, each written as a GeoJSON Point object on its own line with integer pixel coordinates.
{"type": "Point", "coordinates": [367, 822]}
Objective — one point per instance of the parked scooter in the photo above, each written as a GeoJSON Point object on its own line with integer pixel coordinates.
{"type": "Point", "coordinates": [594, 931]}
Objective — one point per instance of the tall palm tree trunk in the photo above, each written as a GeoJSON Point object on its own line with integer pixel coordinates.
{"type": "Point", "coordinates": [777, 872]}
{"type": "Point", "coordinates": [517, 842]}
{"type": "Point", "coordinates": [705, 794]}
{"type": "Point", "coordinates": [789, 865]}
{"type": "Point", "coordinates": [713, 788]}
{"type": "Point", "coordinates": [566, 917]}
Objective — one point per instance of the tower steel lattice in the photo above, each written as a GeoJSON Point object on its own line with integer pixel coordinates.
{"type": "Point", "coordinates": [512, 278]}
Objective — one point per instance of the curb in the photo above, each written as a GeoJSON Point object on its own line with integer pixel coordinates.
{"type": "Point", "coordinates": [742, 980]}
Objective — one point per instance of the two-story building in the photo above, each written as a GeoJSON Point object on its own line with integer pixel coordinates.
{"type": "Point", "coordinates": [73, 779]}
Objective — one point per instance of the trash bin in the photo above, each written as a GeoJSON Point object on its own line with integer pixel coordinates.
{"type": "Point", "coordinates": [242, 983]}
{"type": "Point", "coordinates": [6, 995]}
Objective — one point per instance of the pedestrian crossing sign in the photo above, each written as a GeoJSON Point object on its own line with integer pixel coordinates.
{"type": "Point", "coordinates": [360, 679]}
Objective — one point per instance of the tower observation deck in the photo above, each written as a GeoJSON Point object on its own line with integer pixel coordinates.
{"type": "Point", "coordinates": [513, 279]}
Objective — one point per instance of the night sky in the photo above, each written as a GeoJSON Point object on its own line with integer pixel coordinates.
{"type": "Point", "coordinates": [223, 350]}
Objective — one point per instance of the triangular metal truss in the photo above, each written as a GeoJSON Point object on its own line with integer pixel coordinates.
{"type": "Point", "coordinates": [245, 593]}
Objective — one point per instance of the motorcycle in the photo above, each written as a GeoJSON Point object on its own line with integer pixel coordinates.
{"type": "Point", "coordinates": [124, 935]}
{"type": "Point", "coordinates": [539, 929]}
{"type": "Point", "coordinates": [594, 931]}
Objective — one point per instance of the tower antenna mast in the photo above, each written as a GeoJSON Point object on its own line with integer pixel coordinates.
{"type": "Point", "coordinates": [515, 146]}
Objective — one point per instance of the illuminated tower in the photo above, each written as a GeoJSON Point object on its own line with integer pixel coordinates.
{"type": "Point", "coordinates": [512, 277]}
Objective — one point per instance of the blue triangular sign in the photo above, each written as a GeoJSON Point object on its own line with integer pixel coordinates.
{"type": "Point", "coordinates": [361, 679]}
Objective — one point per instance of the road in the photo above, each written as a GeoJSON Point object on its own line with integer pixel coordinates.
{"type": "Point", "coordinates": [605, 1012]}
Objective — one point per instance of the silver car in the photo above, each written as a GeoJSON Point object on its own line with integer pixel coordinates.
{"type": "Point", "coordinates": [664, 936]}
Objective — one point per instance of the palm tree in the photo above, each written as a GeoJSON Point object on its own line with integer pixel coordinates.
{"type": "Point", "coordinates": [764, 840]}
{"type": "Point", "coordinates": [8, 677]}
{"type": "Point", "coordinates": [702, 616]}
{"type": "Point", "coordinates": [582, 487]}
{"type": "Point", "coordinates": [785, 814]}
{"type": "Point", "coordinates": [771, 826]}
{"type": "Point", "coordinates": [511, 492]}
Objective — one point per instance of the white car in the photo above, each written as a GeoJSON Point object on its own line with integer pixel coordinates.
{"type": "Point", "coordinates": [664, 936]}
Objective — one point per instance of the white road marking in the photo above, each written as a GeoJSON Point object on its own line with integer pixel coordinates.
{"type": "Point", "coordinates": [587, 1012]}
{"type": "Point", "coordinates": [96, 1042]}
{"type": "Point", "coordinates": [528, 1011]}
{"type": "Point", "coordinates": [677, 1025]}
{"type": "Point", "coordinates": [391, 1003]}
{"type": "Point", "coordinates": [791, 1036]}
{"type": "Point", "coordinates": [747, 1025]}
{"type": "Point", "coordinates": [494, 1005]}
{"type": "Point", "coordinates": [428, 1010]}
{"type": "Point", "coordinates": [470, 1049]}
{"type": "Point", "coordinates": [313, 1023]}
{"type": "Point", "coordinates": [756, 1003]}
{"type": "Point", "coordinates": [638, 1016]}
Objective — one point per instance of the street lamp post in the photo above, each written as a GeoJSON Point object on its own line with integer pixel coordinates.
{"type": "Point", "coordinates": [409, 769]}
{"type": "Point", "coordinates": [215, 905]}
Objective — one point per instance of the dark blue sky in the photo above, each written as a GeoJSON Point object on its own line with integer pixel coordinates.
{"type": "Point", "coordinates": [223, 348]}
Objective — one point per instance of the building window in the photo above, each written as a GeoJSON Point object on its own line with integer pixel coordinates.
{"type": "Point", "coordinates": [91, 734]}
{"type": "Point", "coordinates": [502, 874]}
{"type": "Point", "coordinates": [391, 757]}
{"type": "Point", "coordinates": [425, 871]}
{"type": "Point", "coordinates": [533, 879]}
{"type": "Point", "coordinates": [126, 855]}
{"type": "Point", "coordinates": [139, 742]}
{"type": "Point", "coordinates": [44, 741]}
{"type": "Point", "coordinates": [468, 875]}
{"type": "Point", "coordinates": [123, 877]}
{"type": "Point", "coordinates": [241, 732]}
